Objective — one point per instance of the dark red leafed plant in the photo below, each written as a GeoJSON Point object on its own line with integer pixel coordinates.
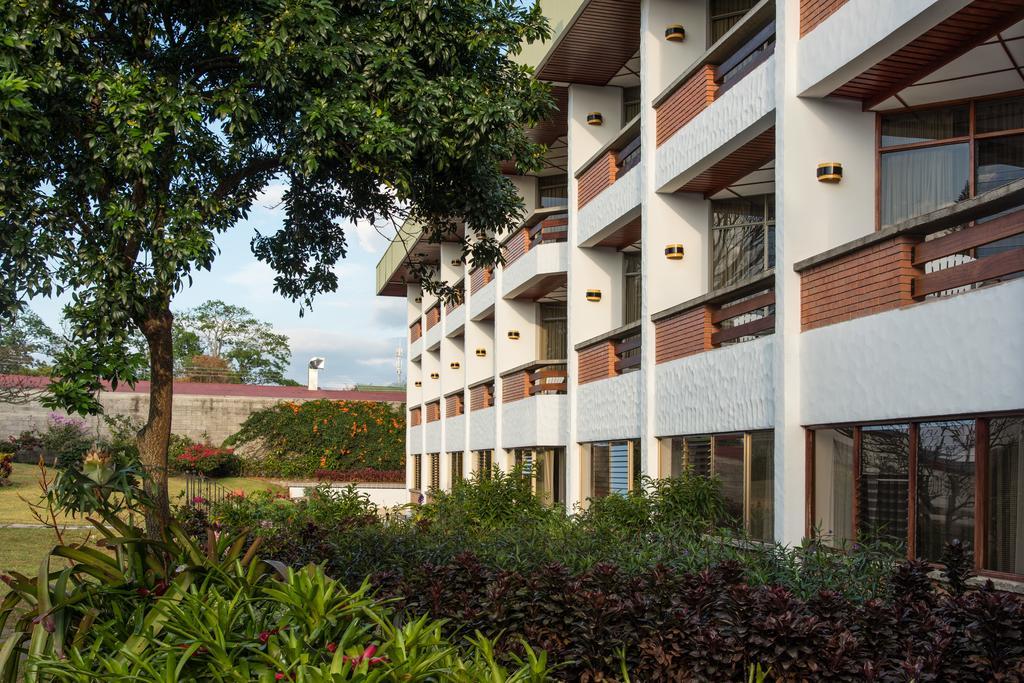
{"type": "Point", "coordinates": [208, 460]}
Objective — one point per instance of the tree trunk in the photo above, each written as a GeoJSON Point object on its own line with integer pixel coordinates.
{"type": "Point", "coordinates": [155, 436]}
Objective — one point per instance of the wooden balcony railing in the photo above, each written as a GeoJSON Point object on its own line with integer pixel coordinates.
{"type": "Point", "coordinates": [612, 162]}
{"type": "Point", "coordinates": [434, 411]}
{"type": "Point", "coordinates": [481, 395]}
{"type": "Point", "coordinates": [450, 306]}
{"type": "Point", "coordinates": [479, 277]}
{"type": "Point", "coordinates": [541, 227]}
{"type": "Point", "coordinates": [434, 315]}
{"type": "Point", "coordinates": [943, 252]}
{"type": "Point", "coordinates": [747, 45]}
{"type": "Point", "coordinates": [730, 315]}
{"type": "Point", "coordinates": [453, 405]}
{"type": "Point", "coordinates": [532, 379]}
{"type": "Point", "coordinates": [416, 330]}
{"type": "Point", "coordinates": [610, 354]}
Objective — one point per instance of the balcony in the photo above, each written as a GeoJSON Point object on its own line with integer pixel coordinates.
{"type": "Point", "coordinates": [536, 256]}
{"type": "Point", "coordinates": [534, 405]}
{"type": "Point", "coordinates": [723, 102]}
{"type": "Point", "coordinates": [416, 340]}
{"type": "Point", "coordinates": [609, 355]}
{"type": "Point", "coordinates": [608, 194]}
{"type": "Point", "coordinates": [415, 438]}
{"type": "Point", "coordinates": [432, 338]}
{"type": "Point", "coordinates": [455, 312]}
{"type": "Point", "coordinates": [481, 299]}
{"type": "Point", "coordinates": [925, 313]}
{"type": "Point", "coordinates": [482, 428]}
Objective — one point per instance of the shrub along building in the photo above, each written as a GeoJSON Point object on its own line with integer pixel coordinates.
{"type": "Point", "coordinates": [777, 242]}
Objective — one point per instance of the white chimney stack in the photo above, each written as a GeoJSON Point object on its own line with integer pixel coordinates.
{"type": "Point", "coordinates": [315, 366]}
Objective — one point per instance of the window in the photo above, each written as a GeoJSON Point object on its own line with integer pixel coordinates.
{"type": "Point", "coordinates": [554, 331]}
{"type": "Point", "coordinates": [926, 155]}
{"type": "Point", "coordinates": [916, 485]}
{"type": "Point", "coordinates": [417, 472]}
{"type": "Point", "coordinates": [483, 464]}
{"type": "Point", "coordinates": [435, 471]}
{"type": "Point", "coordinates": [724, 14]}
{"type": "Point", "coordinates": [742, 238]}
{"type": "Point", "coordinates": [744, 463]}
{"type": "Point", "coordinates": [630, 104]}
{"type": "Point", "coordinates": [552, 190]}
{"type": "Point", "coordinates": [546, 467]}
{"type": "Point", "coordinates": [611, 467]}
{"type": "Point", "coordinates": [456, 471]}
{"type": "Point", "coordinates": [632, 291]}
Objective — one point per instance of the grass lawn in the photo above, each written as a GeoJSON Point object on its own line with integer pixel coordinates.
{"type": "Point", "coordinates": [24, 480]}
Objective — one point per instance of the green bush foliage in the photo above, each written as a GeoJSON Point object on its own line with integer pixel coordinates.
{"type": "Point", "coordinates": [6, 467]}
{"type": "Point", "coordinates": [297, 439]}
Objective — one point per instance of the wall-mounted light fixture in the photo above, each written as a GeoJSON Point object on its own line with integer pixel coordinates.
{"type": "Point", "coordinates": [454, 365]}
{"type": "Point", "coordinates": [418, 299]}
{"type": "Point", "coordinates": [593, 295]}
{"type": "Point", "coordinates": [831, 172]}
{"type": "Point", "coordinates": [674, 252]}
{"type": "Point", "coordinates": [435, 375]}
{"type": "Point", "coordinates": [513, 334]}
{"type": "Point", "coordinates": [595, 118]}
{"type": "Point", "coordinates": [418, 383]}
{"type": "Point", "coordinates": [456, 262]}
{"type": "Point", "coordinates": [480, 353]}
{"type": "Point", "coordinates": [675, 32]}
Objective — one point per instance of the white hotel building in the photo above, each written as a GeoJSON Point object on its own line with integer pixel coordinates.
{"type": "Point", "coordinates": [788, 255]}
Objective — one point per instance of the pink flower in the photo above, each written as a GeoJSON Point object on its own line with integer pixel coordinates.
{"type": "Point", "coordinates": [367, 657]}
{"type": "Point", "coordinates": [331, 647]}
{"type": "Point", "coordinates": [198, 500]}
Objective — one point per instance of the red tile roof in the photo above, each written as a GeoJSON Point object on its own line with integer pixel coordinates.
{"type": "Point", "coordinates": [247, 390]}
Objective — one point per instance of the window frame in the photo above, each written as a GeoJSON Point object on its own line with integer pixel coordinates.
{"type": "Point", "coordinates": [979, 543]}
{"type": "Point", "coordinates": [767, 225]}
{"type": "Point", "coordinates": [971, 139]}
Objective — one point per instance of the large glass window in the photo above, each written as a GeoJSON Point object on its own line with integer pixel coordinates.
{"type": "Point", "coordinates": [554, 331]}
{"type": "Point", "coordinates": [630, 104]}
{"type": "Point", "coordinates": [926, 155]}
{"type": "Point", "coordinates": [921, 482]}
{"type": "Point", "coordinates": [884, 483]}
{"type": "Point", "coordinates": [552, 190]}
{"type": "Point", "coordinates": [724, 14]}
{"type": "Point", "coordinates": [1005, 479]}
{"type": "Point", "coordinates": [742, 238]}
{"type": "Point", "coordinates": [744, 463]}
{"type": "Point", "coordinates": [945, 485]}
{"type": "Point", "coordinates": [632, 292]}
{"type": "Point", "coordinates": [611, 467]}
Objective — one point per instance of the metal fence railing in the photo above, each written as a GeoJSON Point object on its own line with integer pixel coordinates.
{"type": "Point", "coordinates": [202, 491]}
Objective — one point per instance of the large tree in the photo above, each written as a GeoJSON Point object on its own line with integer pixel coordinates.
{"type": "Point", "coordinates": [133, 132]}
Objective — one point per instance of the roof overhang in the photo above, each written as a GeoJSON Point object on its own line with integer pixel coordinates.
{"type": "Point", "coordinates": [599, 39]}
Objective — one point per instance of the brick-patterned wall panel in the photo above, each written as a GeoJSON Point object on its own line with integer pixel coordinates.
{"type": "Point", "coordinates": [682, 335]}
{"type": "Point", "coordinates": [875, 279]}
{"type": "Point", "coordinates": [450, 306]}
{"type": "Point", "coordinates": [433, 315]}
{"type": "Point", "coordinates": [597, 362]}
{"type": "Point", "coordinates": [478, 278]}
{"type": "Point", "coordinates": [813, 12]}
{"type": "Point", "coordinates": [513, 387]}
{"type": "Point", "coordinates": [481, 396]}
{"type": "Point", "coordinates": [517, 245]}
{"type": "Point", "coordinates": [689, 99]}
{"type": "Point", "coordinates": [415, 417]}
{"type": "Point", "coordinates": [415, 330]}
{"type": "Point", "coordinates": [453, 405]}
{"type": "Point", "coordinates": [434, 411]}
{"type": "Point", "coordinates": [595, 179]}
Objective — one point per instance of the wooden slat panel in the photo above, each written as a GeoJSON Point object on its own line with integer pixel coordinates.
{"type": "Point", "coordinates": [433, 315]}
{"type": "Point", "coordinates": [691, 98]}
{"type": "Point", "coordinates": [733, 310]}
{"type": "Point", "coordinates": [988, 268]}
{"type": "Point", "coordinates": [416, 416]}
{"type": "Point", "coordinates": [596, 362]}
{"type": "Point", "coordinates": [416, 330]}
{"type": "Point", "coordinates": [625, 236]}
{"type": "Point", "coordinates": [969, 238]}
{"type": "Point", "coordinates": [627, 345]}
{"type": "Point", "coordinates": [764, 324]}
{"type": "Point", "coordinates": [682, 335]}
{"type": "Point", "coordinates": [549, 388]}
{"type": "Point", "coordinates": [453, 405]}
{"type": "Point", "coordinates": [479, 277]}
{"type": "Point", "coordinates": [434, 411]}
{"type": "Point", "coordinates": [626, 363]}
{"type": "Point", "coordinates": [596, 179]}
{"type": "Point", "coordinates": [481, 396]}
{"type": "Point", "coordinates": [513, 387]}
{"type": "Point", "coordinates": [603, 38]}
{"type": "Point", "coordinates": [814, 12]}
{"type": "Point", "coordinates": [517, 245]}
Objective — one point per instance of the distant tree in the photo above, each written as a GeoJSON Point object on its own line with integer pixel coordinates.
{"type": "Point", "coordinates": [209, 370]}
{"type": "Point", "coordinates": [249, 349]}
{"type": "Point", "coordinates": [26, 343]}
{"type": "Point", "coordinates": [133, 132]}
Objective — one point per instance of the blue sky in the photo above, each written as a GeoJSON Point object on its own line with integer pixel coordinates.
{"type": "Point", "coordinates": [355, 330]}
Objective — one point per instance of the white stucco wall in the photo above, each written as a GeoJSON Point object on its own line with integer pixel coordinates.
{"type": "Point", "coordinates": [610, 408]}
{"type": "Point", "coordinates": [392, 496]}
{"type": "Point", "coordinates": [416, 349]}
{"type": "Point", "coordinates": [615, 206]}
{"type": "Point", "coordinates": [415, 439]}
{"type": "Point", "coordinates": [482, 301]}
{"type": "Point", "coordinates": [432, 337]}
{"type": "Point", "coordinates": [540, 261]}
{"type": "Point", "coordinates": [727, 389]}
{"type": "Point", "coordinates": [960, 354]}
{"type": "Point", "coordinates": [742, 113]}
{"type": "Point", "coordinates": [860, 34]}
{"type": "Point", "coordinates": [535, 421]}
{"type": "Point", "coordinates": [455, 322]}
{"type": "Point", "coordinates": [432, 437]}
{"type": "Point", "coordinates": [455, 433]}
{"type": "Point", "coordinates": [482, 434]}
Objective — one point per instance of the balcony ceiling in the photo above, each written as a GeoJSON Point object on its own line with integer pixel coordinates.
{"type": "Point", "coordinates": [627, 235]}
{"type": "Point", "coordinates": [974, 51]}
{"type": "Point", "coordinates": [751, 157]}
{"type": "Point", "coordinates": [600, 39]}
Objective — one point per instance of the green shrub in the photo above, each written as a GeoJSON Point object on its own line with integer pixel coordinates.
{"type": "Point", "coordinates": [297, 439]}
{"type": "Point", "coordinates": [66, 440]}
{"type": "Point", "coordinates": [485, 503]}
{"type": "Point", "coordinates": [6, 467]}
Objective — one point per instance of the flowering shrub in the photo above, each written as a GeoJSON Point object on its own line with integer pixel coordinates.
{"type": "Point", "coordinates": [6, 467]}
{"type": "Point", "coordinates": [367, 474]}
{"type": "Point", "coordinates": [297, 439]}
{"type": "Point", "coordinates": [208, 461]}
